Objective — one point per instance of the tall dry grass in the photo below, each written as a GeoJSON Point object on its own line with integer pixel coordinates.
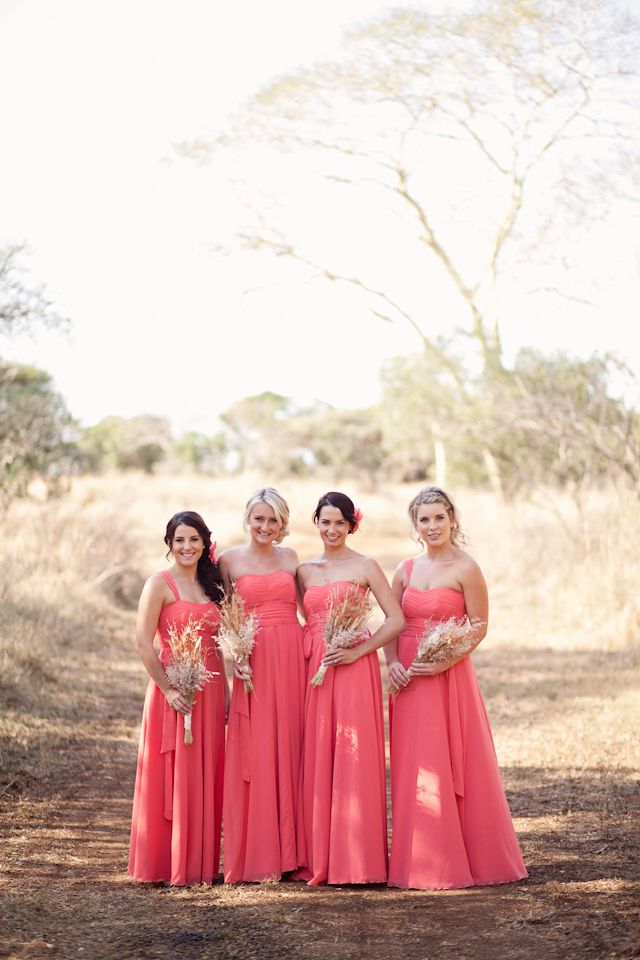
{"type": "Point", "coordinates": [562, 577]}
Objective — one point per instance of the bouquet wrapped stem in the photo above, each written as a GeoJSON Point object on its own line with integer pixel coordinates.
{"type": "Point", "coordinates": [237, 633]}
{"type": "Point", "coordinates": [345, 624]}
{"type": "Point", "coordinates": [187, 671]}
{"type": "Point", "coordinates": [444, 641]}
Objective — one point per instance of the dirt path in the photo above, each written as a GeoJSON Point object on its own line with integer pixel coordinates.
{"type": "Point", "coordinates": [563, 735]}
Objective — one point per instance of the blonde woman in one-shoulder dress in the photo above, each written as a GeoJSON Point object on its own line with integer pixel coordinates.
{"type": "Point", "coordinates": [451, 821]}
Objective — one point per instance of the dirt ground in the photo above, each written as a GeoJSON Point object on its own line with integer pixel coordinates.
{"type": "Point", "coordinates": [560, 672]}
{"type": "Point", "coordinates": [562, 729]}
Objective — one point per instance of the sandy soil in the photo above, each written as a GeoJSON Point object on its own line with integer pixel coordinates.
{"type": "Point", "coordinates": [566, 733]}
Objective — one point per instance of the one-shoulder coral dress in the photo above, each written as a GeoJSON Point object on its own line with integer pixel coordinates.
{"type": "Point", "coordinates": [177, 803]}
{"type": "Point", "coordinates": [264, 741]}
{"type": "Point", "coordinates": [451, 821]}
{"type": "Point", "coordinates": [343, 822]}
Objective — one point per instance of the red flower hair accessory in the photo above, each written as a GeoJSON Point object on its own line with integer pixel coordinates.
{"type": "Point", "coordinates": [212, 552]}
{"type": "Point", "coordinates": [358, 516]}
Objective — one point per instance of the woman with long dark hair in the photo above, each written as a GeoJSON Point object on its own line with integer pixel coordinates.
{"type": "Point", "coordinates": [177, 805]}
{"type": "Point", "coordinates": [343, 816]}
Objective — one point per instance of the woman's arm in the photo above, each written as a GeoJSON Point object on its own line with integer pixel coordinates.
{"type": "Point", "coordinates": [389, 628]}
{"type": "Point", "coordinates": [223, 567]}
{"type": "Point", "coordinates": [241, 673]}
{"type": "Point", "coordinates": [398, 676]}
{"type": "Point", "coordinates": [301, 586]}
{"type": "Point", "coordinates": [151, 603]}
{"type": "Point", "coordinates": [293, 567]}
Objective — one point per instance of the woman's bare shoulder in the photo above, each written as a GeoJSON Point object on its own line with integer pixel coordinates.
{"type": "Point", "coordinates": [467, 566]}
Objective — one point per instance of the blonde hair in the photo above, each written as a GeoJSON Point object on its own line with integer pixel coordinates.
{"type": "Point", "coordinates": [278, 504]}
{"type": "Point", "coordinates": [437, 495]}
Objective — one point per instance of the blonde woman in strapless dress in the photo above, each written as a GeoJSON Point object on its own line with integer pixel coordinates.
{"type": "Point", "coordinates": [264, 741]}
{"type": "Point", "coordinates": [451, 825]}
{"type": "Point", "coordinates": [343, 817]}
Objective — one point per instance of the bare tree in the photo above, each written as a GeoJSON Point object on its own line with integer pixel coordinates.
{"type": "Point", "coordinates": [492, 136]}
{"type": "Point", "coordinates": [477, 147]}
{"type": "Point", "coordinates": [22, 308]}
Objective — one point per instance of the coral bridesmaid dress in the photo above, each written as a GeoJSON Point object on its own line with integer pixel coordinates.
{"type": "Point", "coordinates": [177, 804]}
{"type": "Point", "coordinates": [451, 821]}
{"type": "Point", "coordinates": [343, 822]}
{"type": "Point", "coordinates": [264, 742]}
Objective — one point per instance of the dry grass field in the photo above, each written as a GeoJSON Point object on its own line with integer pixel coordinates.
{"type": "Point", "coordinates": [560, 670]}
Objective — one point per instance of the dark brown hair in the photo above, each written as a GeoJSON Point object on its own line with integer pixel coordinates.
{"type": "Point", "coordinates": [207, 573]}
{"type": "Point", "coordinates": [342, 502]}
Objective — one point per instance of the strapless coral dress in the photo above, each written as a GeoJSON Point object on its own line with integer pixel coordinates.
{"type": "Point", "coordinates": [264, 741]}
{"type": "Point", "coordinates": [343, 824]}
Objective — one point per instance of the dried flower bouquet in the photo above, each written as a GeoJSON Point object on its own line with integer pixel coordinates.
{"type": "Point", "coordinates": [187, 671]}
{"type": "Point", "coordinates": [345, 624]}
{"type": "Point", "coordinates": [448, 640]}
{"type": "Point", "coordinates": [237, 632]}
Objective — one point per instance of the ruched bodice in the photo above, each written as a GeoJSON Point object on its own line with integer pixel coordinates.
{"type": "Point", "coordinates": [437, 605]}
{"type": "Point", "coordinates": [424, 607]}
{"type": "Point", "coordinates": [317, 596]}
{"type": "Point", "coordinates": [271, 595]}
{"type": "Point", "coordinates": [315, 602]}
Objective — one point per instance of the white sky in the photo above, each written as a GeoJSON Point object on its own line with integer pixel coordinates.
{"type": "Point", "coordinates": [94, 94]}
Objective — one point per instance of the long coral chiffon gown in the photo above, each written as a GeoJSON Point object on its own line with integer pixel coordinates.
{"type": "Point", "coordinates": [177, 804]}
{"type": "Point", "coordinates": [343, 822]}
{"type": "Point", "coordinates": [451, 822]}
{"type": "Point", "coordinates": [264, 741]}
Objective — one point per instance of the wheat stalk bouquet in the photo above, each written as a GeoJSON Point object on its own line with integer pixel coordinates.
{"type": "Point", "coordinates": [237, 632]}
{"type": "Point", "coordinates": [187, 671]}
{"type": "Point", "coordinates": [345, 624]}
{"type": "Point", "coordinates": [445, 641]}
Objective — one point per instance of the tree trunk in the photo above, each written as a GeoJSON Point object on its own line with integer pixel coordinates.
{"type": "Point", "coordinates": [493, 472]}
{"type": "Point", "coordinates": [441, 462]}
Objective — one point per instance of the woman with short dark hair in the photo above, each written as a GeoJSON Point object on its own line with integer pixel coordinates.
{"type": "Point", "coordinates": [343, 822]}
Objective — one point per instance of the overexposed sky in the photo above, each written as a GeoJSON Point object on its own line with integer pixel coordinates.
{"type": "Point", "coordinates": [122, 233]}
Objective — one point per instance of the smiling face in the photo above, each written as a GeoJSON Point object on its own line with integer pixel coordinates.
{"type": "Point", "coordinates": [433, 524]}
{"type": "Point", "coordinates": [187, 545]}
{"type": "Point", "coordinates": [332, 526]}
{"type": "Point", "coordinates": [263, 524]}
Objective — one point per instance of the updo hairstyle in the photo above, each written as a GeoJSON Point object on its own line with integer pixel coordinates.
{"type": "Point", "coordinates": [343, 503]}
{"type": "Point", "coordinates": [278, 504]}
{"type": "Point", "coordinates": [437, 495]}
{"type": "Point", "coordinates": [207, 573]}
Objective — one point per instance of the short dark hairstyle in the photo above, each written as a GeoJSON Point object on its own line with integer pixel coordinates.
{"type": "Point", "coordinates": [342, 502]}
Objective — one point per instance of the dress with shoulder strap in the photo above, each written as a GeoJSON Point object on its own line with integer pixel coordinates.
{"type": "Point", "coordinates": [177, 804]}
{"type": "Point", "coordinates": [451, 821]}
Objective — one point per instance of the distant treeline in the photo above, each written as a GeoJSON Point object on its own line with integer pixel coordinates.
{"type": "Point", "coordinates": [550, 419]}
